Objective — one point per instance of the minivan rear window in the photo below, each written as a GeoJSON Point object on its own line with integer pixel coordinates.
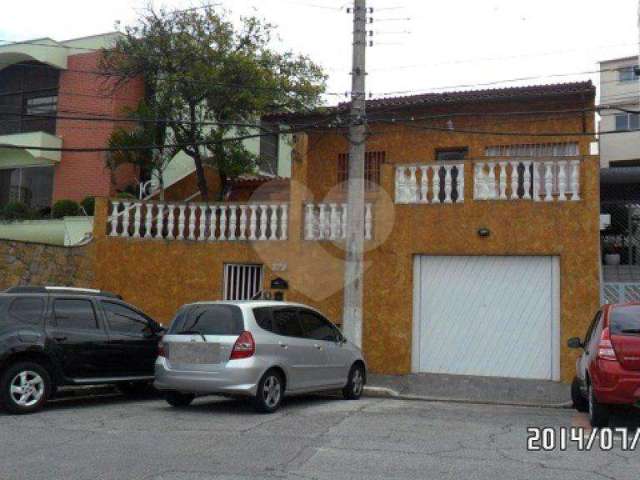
{"type": "Point", "coordinates": [208, 320]}
{"type": "Point", "coordinates": [625, 320]}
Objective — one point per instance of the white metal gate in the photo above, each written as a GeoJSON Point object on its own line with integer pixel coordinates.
{"type": "Point", "coordinates": [490, 316]}
{"type": "Point", "coordinates": [620, 292]}
{"type": "Point", "coordinates": [242, 281]}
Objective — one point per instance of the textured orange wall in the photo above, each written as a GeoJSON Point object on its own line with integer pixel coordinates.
{"type": "Point", "coordinates": [160, 276]}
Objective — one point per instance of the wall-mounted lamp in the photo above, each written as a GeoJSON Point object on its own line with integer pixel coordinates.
{"type": "Point", "coordinates": [484, 232]}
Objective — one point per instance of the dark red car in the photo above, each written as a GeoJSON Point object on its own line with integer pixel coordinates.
{"type": "Point", "coordinates": [608, 371]}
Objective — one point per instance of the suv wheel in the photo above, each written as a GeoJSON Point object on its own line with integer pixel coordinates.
{"type": "Point", "coordinates": [25, 387]}
{"type": "Point", "coordinates": [355, 383]}
{"type": "Point", "coordinates": [270, 392]}
{"type": "Point", "coordinates": [598, 413]}
{"type": "Point", "coordinates": [177, 399]}
{"type": "Point", "coordinates": [580, 403]}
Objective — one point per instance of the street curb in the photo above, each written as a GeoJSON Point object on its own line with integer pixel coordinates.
{"type": "Point", "coordinates": [385, 392]}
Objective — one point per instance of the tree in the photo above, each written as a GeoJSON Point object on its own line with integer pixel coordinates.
{"type": "Point", "coordinates": [211, 82]}
{"type": "Point", "coordinates": [126, 144]}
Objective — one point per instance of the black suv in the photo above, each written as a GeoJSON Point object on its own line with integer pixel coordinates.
{"type": "Point", "coordinates": [61, 336]}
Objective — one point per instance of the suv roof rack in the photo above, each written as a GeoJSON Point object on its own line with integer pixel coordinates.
{"type": "Point", "coordinates": [68, 290]}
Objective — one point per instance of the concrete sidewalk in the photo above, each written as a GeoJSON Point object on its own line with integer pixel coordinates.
{"type": "Point", "coordinates": [470, 389]}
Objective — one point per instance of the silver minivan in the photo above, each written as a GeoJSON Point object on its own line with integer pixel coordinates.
{"type": "Point", "coordinates": [258, 349]}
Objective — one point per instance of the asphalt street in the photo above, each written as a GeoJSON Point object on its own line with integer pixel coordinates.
{"type": "Point", "coordinates": [319, 437]}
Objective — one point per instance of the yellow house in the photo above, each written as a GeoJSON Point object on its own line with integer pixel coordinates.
{"type": "Point", "coordinates": [482, 232]}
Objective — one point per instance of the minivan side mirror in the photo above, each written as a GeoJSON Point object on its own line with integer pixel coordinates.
{"type": "Point", "coordinates": [575, 342]}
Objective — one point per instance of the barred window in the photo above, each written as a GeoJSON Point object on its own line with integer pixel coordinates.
{"type": "Point", "coordinates": [372, 162]}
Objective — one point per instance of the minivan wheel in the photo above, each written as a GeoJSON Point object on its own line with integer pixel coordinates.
{"type": "Point", "coordinates": [598, 413]}
{"type": "Point", "coordinates": [269, 393]}
{"type": "Point", "coordinates": [580, 403]}
{"type": "Point", "coordinates": [177, 399]}
{"type": "Point", "coordinates": [25, 387]}
{"type": "Point", "coordinates": [355, 383]}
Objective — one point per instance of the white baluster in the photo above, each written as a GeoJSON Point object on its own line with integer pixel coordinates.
{"type": "Point", "coordinates": [308, 222]}
{"type": "Point", "coordinates": [424, 184]}
{"type": "Point", "coordinates": [192, 221]}
{"type": "Point", "coordinates": [149, 220]}
{"type": "Point", "coordinates": [125, 220]}
{"type": "Point", "coordinates": [527, 180]}
{"type": "Point", "coordinates": [137, 220]}
{"type": "Point", "coordinates": [213, 223]}
{"type": "Point", "coordinates": [503, 180]}
{"type": "Point", "coordinates": [284, 222]}
{"type": "Point", "coordinates": [322, 222]}
{"type": "Point", "coordinates": [223, 222]}
{"type": "Point", "coordinates": [181, 222]}
{"type": "Point", "coordinates": [253, 222]}
{"type": "Point", "coordinates": [344, 221]}
{"type": "Point", "coordinates": [274, 222]}
{"type": "Point", "coordinates": [478, 181]}
{"type": "Point", "coordinates": [202, 234]}
{"type": "Point", "coordinates": [413, 185]}
{"type": "Point", "coordinates": [263, 222]}
{"type": "Point", "coordinates": [114, 218]}
{"type": "Point", "coordinates": [243, 222]}
{"type": "Point", "coordinates": [334, 222]}
{"type": "Point", "coordinates": [368, 222]}
{"type": "Point", "coordinates": [460, 186]}
{"type": "Point", "coordinates": [170, 221]}
{"type": "Point", "coordinates": [562, 180]}
{"type": "Point", "coordinates": [514, 180]}
{"type": "Point", "coordinates": [575, 180]}
{"type": "Point", "coordinates": [491, 184]}
{"type": "Point", "coordinates": [436, 187]}
{"type": "Point", "coordinates": [447, 184]}
{"type": "Point", "coordinates": [548, 181]}
{"type": "Point", "coordinates": [159, 220]}
{"type": "Point", "coordinates": [400, 185]}
{"type": "Point", "coordinates": [233, 222]}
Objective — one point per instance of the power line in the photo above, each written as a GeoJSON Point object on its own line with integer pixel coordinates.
{"type": "Point", "coordinates": [139, 147]}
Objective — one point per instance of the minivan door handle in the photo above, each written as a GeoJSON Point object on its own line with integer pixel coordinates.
{"type": "Point", "coordinates": [283, 345]}
{"type": "Point", "coordinates": [318, 346]}
{"type": "Point", "coordinates": [60, 339]}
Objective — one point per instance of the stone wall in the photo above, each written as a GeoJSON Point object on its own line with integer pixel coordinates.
{"type": "Point", "coordinates": [37, 264]}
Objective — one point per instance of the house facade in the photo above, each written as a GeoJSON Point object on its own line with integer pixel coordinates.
{"type": "Point", "coordinates": [43, 85]}
{"type": "Point", "coordinates": [620, 88]}
{"type": "Point", "coordinates": [481, 227]}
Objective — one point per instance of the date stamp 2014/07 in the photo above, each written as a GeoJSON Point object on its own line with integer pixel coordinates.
{"type": "Point", "coordinates": [563, 438]}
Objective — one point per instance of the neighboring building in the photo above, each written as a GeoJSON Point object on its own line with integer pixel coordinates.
{"type": "Point", "coordinates": [50, 78]}
{"type": "Point", "coordinates": [482, 248]}
{"type": "Point", "coordinates": [273, 152]}
{"type": "Point", "coordinates": [620, 87]}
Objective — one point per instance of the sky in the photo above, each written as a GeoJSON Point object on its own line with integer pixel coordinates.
{"type": "Point", "coordinates": [419, 45]}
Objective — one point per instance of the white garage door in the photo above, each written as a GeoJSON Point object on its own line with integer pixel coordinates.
{"type": "Point", "coordinates": [492, 316]}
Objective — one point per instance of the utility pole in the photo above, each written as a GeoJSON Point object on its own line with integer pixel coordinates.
{"type": "Point", "coordinates": [353, 274]}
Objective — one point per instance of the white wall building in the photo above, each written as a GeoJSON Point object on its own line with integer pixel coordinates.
{"type": "Point", "coordinates": [620, 87]}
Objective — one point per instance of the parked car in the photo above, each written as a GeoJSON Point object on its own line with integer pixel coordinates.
{"type": "Point", "coordinates": [258, 349]}
{"type": "Point", "coordinates": [608, 370]}
{"type": "Point", "coordinates": [58, 336]}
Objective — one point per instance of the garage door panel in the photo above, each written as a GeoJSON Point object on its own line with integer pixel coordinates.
{"type": "Point", "coordinates": [486, 316]}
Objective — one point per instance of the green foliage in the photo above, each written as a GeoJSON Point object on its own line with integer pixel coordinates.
{"type": "Point", "coordinates": [199, 67]}
{"type": "Point", "coordinates": [89, 205]}
{"type": "Point", "coordinates": [65, 208]}
{"type": "Point", "coordinates": [15, 211]}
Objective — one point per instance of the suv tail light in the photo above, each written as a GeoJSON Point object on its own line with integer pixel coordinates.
{"type": "Point", "coordinates": [244, 347]}
{"type": "Point", "coordinates": [605, 347]}
{"type": "Point", "coordinates": [161, 352]}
